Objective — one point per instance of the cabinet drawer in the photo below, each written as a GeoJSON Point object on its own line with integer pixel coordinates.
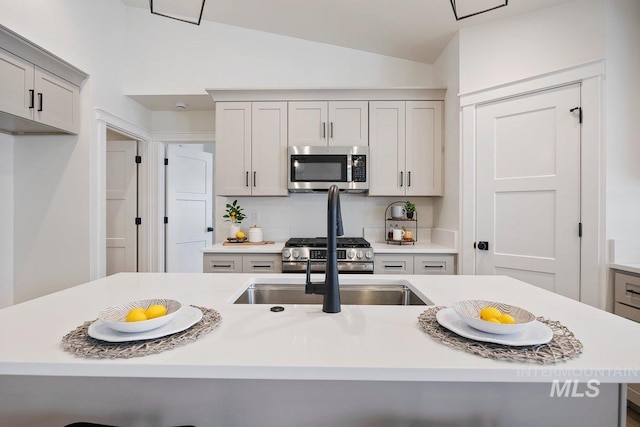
{"type": "Point", "coordinates": [222, 264]}
{"type": "Point", "coordinates": [627, 289]}
{"type": "Point", "coordinates": [433, 264]}
{"type": "Point", "coordinates": [393, 264]}
{"type": "Point", "coordinates": [262, 264]}
{"type": "Point", "coordinates": [627, 312]}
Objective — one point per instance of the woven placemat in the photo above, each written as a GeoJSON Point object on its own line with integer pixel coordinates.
{"type": "Point", "coordinates": [80, 343]}
{"type": "Point", "coordinates": [562, 347]}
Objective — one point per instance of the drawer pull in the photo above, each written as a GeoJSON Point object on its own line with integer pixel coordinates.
{"type": "Point", "coordinates": [434, 266]}
{"type": "Point", "coordinates": [261, 266]}
{"type": "Point", "coordinates": [393, 266]}
{"type": "Point", "coordinates": [221, 265]}
{"type": "Point", "coordinates": [633, 294]}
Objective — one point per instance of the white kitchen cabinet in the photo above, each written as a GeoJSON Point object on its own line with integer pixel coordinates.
{"type": "Point", "coordinates": [251, 148]}
{"type": "Point", "coordinates": [405, 143]}
{"type": "Point", "coordinates": [234, 263]}
{"type": "Point", "coordinates": [30, 92]}
{"type": "Point", "coordinates": [333, 123]}
{"type": "Point", "coordinates": [414, 264]}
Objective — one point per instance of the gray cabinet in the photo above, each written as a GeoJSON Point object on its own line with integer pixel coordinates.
{"type": "Point", "coordinates": [627, 304]}
{"type": "Point", "coordinates": [238, 263]}
{"type": "Point", "coordinates": [414, 264]}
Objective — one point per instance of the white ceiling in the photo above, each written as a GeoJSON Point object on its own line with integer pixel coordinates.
{"type": "Point", "coordinates": [416, 30]}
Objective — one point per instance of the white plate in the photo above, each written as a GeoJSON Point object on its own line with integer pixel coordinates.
{"type": "Point", "coordinates": [184, 319]}
{"type": "Point", "coordinates": [537, 333]}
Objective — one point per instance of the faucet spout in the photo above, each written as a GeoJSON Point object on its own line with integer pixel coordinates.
{"type": "Point", "coordinates": [330, 288]}
{"type": "Point", "coordinates": [331, 302]}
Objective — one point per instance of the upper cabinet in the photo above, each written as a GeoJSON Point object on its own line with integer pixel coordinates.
{"type": "Point", "coordinates": [332, 123]}
{"type": "Point", "coordinates": [39, 93]}
{"type": "Point", "coordinates": [251, 148]}
{"type": "Point", "coordinates": [405, 143]}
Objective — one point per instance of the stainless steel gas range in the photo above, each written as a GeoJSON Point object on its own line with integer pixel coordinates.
{"type": "Point", "coordinates": [355, 255]}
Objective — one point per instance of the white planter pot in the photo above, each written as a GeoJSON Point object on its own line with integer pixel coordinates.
{"type": "Point", "coordinates": [233, 229]}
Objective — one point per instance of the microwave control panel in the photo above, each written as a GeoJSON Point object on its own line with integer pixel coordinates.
{"type": "Point", "coordinates": [359, 168]}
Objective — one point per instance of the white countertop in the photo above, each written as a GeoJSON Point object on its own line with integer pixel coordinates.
{"type": "Point", "coordinates": [378, 247]}
{"type": "Point", "coordinates": [630, 268]}
{"type": "Point", "coordinates": [302, 342]}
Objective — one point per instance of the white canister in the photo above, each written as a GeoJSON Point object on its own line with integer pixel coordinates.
{"type": "Point", "coordinates": [255, 234]}
{"type": "Point", "coordinates": [397, 211]}
{"type": "Point", "coordinates": [398, 234]}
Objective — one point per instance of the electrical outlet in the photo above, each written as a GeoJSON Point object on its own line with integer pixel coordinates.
{"type": "Point", "coordinates": [255, 217]}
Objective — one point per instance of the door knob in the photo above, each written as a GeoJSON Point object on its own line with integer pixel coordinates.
{"type": "Point", "coordinates": [209, 229]}
{"type": "Point", "coordinates": [483, 246]}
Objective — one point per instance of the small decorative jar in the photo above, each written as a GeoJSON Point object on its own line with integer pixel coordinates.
{"type": "Point", "coordinates": [255, 234]}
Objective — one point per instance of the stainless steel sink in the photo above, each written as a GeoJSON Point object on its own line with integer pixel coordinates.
{"type": "Point", "coordinates": [368, 293]}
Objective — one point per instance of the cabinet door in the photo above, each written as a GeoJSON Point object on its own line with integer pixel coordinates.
{"type": "Point", "coordinates": [393, 264]}
{"type": "Point", "coordinates": [222, 263]}
{"type": "Point", "coordinates": [269, 149]}
{"type": "Point", "coordinates": [15, 85]}
{"type": "Point", "coordinates": [308, 123]}
{"type": "Point", "coordinates": [266, 263]}
{"type": "Point", "coordinates": [433, 264]}
{"type": "Point", "coordinates": [423, 148]}
{"type": "Point", "coordinates": [348, 123]}
{"type": "Point", "coordinates": [56, 102]}
{"type": "Point", "coordinates": [233, 148]}
{"type": "Point", "coordinates": [387, 148]}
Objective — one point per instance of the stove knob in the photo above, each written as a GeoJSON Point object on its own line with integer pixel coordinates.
{"type": "Point", "coordinates": [369, 254]}
{"type": "Point", "coordinates": [286, 254]}
{"type": "Point", "coordinates": [360, 254]}
{"type": "Point", "coordinates": [351, 253]}
{"type": "Point", "coordinates": [296, 253]}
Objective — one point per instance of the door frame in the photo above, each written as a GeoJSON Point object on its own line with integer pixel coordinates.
{"type": "Point", "coordinates": [592, 198]}
{"type": "Point", "coordinates": [147, 258]}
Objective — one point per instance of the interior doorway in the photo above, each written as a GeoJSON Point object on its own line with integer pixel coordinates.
{"type": "Point", "coordinates": [189, 205]}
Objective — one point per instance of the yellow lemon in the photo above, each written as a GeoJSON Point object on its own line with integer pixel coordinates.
{"type": "Point", "coordinates": [489, 313]}
{"type": "Point", "coordinates": [136, 315]}
{"type": "Point", "coordinates": [493, 320]}
{"type": "Point", "coordinates": [507, 319]}
{"type": "Point", "coordinates": [156, 310]}
{"type": "Point", "coordinates": [240, 235]}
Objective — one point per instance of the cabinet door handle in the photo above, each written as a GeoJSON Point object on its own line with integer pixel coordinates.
{"type": "Point", "coordinates": [246, 179]}
{"type": "Point", "coordinates": [324, 130]}
{"type": "Point", "coordinates": [39, 101]}
{"type": "Point", "coordinates": [32, 101]}
{"type": "Point", "coordinates": [331, 130]}
{"type": "Point", "coordinates": [254, 178]}
{"type": "Point", "coordinates": [409, 179]}
{"type": "Point", "coordinates": [392, 266]}
{"type": "Point", "coordinates": [401, 179]}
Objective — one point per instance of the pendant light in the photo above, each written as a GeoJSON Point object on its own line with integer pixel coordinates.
{"type": "Point", "coordinates": [183, 10]}
{"type": "Point", "coordinates": [466, 8]}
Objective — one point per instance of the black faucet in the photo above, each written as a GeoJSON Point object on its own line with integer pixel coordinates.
{"type": "Point", "coordinates": [330, 288]}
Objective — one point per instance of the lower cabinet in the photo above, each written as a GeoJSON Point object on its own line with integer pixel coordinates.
{"type": "Point", "coordinates": [232, 263]}
{"type": "Point", "coordinates": [414, 264]}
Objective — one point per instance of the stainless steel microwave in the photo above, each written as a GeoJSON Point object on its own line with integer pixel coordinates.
{"type": "Point", "coordinates": [316, 168]}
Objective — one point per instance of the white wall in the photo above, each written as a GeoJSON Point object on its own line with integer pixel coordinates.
{"type": "Point", "coordinates": [532, 44]}
{"type": "Point", "coordinates": [305, 215]}
{"type": "Point", "coordinates": [6, 220]}
{"type": "Point", "coordinates": [622, 103]}
{"type": "Point", "coordinates": [447, 75]}
{"type": "Point", "coordinates": [169, 57]}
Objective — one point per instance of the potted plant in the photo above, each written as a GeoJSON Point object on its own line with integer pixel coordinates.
{"type": "Point", "coordinates": [409, 208]}
{"type": "Point", "coordinates": [235, 215]}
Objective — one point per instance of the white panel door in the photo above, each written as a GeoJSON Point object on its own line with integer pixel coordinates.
{"type": "Point", "coordinates": [189, 208]}
{"type": "Point", "coordinates": [122, 233]}
{"type": "Point", "coordinates": [233, 148]}
{"type": "Point", "coordinates": [308, 123]}
{"type": "Point", "coordinates": [386, 147]}
{"type": "Point", "coordinates": [348, 123]}
{"type": "Point", "coordinates": [528, 189]}
{"type": "Point", "coordinates": [269, 148]}
{"type": "Point", "coordinates": [56, 102]}
{"type": "Point", "coordinates": [424, 149]}
{"type": "Point", "coordinates": [15, 85]}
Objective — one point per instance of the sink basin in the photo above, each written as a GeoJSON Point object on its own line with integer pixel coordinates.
{"type": "Point", "coordinates": [362, 292]}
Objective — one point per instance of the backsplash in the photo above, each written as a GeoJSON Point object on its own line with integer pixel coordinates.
{"type": "Point", "coordinates": [305, 215]}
